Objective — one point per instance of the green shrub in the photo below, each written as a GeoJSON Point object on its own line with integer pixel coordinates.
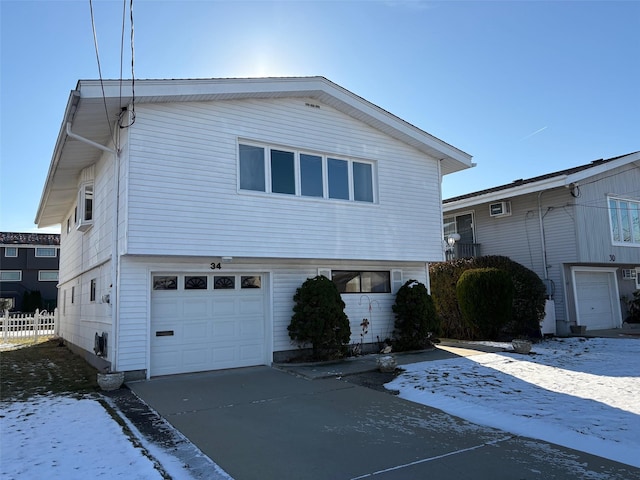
{"type": "Point", "coordinates": [528, 298]}
{"type": "Point", "coordinates": [31, 301]}
{"type": "Point", "coordinates": [319, 318]}
{"type": "Point", "coordinates": [416, 317]}
{"type": "Point", "coordinates": [634, 308]}
{"type": "Point", "coordinates": [485, 297]}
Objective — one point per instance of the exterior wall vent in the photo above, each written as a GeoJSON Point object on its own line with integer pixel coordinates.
{"type": "Point", "coordinates": [500, 209]}
{"type": "Point", "coordinates": [100, 344]}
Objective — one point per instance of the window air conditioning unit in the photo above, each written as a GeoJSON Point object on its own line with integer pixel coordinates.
{"type": "Point", "coordinates": [500, 209]}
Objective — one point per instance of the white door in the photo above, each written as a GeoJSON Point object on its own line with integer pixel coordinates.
{"type": "Point", "coordinates": [596, 300]}
{"type": "Point", "coordinates": [206, 322]}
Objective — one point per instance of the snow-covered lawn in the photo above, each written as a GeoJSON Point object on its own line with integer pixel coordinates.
{"type": "Point", "coordinates": [71, 438]}
{"type": "Point", "coordinates": [580, 393]}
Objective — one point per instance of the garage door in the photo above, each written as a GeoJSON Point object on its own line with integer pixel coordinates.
{"type": "Point", "coordinates": [206, 322]}
{"type": "Point", "coordinates": [595, 298]}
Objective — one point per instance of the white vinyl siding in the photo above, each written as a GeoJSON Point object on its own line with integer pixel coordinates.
{"type": "Point", "coordinates": [280, 282]}
{"type": "Point", "coordinates": [179, 149]}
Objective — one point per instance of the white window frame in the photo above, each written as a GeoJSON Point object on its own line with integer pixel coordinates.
{"type": "Point", "coordinates": [40, 250]}
{"type": "Point", "coordinates": [6, 252]}
{"type": "Point", "coordinates": [42, 274]}
{"type": "Point", "coordinates": [85, 217]}
{"type": "Point", "coordinates": [4, 273]}
{"type": "Point", "coordinates": [635, 242]}
{"type": "Point", "coordinates": [298, 172]}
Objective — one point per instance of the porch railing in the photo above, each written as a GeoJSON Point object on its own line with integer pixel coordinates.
{"type": "Point", "coordinates": [463, 250]}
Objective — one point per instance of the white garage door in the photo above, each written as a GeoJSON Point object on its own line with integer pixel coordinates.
{"type": "Point", "coordinates": [206, 322]}
{"type": "Point", "coordinates": [596, 300]}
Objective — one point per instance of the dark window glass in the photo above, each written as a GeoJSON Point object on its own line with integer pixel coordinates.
{"type": "Point", "coordinates": [252, 168]}
{"type": "Point", "coordinates": [88, 203]}
{"type": "Point", "coordinates": [224, 282]}
{"type": "Point", "coordinates": [165, 283]}
{"type": "Point", "coordinates": [92, 291]}
{"type": "Point", "coordinates": [311, 175]}
{"type": "Point", "coordinates": [195, 283]}
{"type": "Point", "coordinates": [362, 182]}
{"type": "Point", "coordinates": [250, 282]}
{"type": "Point", "coordinates": [283, 175]}
{"type": "Point", "coordinates": [338, 171]}
{"type": "Point", "coordinates": [362, 282]}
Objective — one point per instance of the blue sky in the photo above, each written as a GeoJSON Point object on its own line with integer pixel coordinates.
{"type": "Point", "coordinates": [526, 87]}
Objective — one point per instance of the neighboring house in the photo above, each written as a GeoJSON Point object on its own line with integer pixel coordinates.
{"type": "Point", "coordinates": [191, 217]}
{"type": "Point", "coordinates": [28, 263]}
{"type": "Point", "coordinates": [578, 229]}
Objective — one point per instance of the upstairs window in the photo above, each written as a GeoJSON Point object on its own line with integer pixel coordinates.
{"type": "Point", "coordinates": [10, 251]}
{"type": "Point", "coordinates": [10, 275]}
{"type": "Point", "coordinates": [84, 216]}
{"type": "Point", "coordinates": [48, 276]}
{"type": "Point", "coordinates": [624, 220]}
{"type": "Point", "coordinates": [46, 252]}
{"type": "Point", "coordinates": [290, 172]}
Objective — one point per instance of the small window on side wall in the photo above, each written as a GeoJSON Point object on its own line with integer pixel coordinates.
{"type": "Point", "coordinates": [85, 207]}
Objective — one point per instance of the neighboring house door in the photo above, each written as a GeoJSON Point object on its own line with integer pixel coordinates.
{"type": "Point", "coordinates": [463, 226]}
{"type": "Point", "coordinates": [206, 322]}
{"type": "Point", "coordinates": [596, 299]}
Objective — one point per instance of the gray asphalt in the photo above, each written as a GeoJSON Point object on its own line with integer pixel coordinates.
{"type": "Point", "coordinates": [265, 423]}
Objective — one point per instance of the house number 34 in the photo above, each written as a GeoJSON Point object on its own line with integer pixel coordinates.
{"type": "Point", "coordinates": [215, 266]}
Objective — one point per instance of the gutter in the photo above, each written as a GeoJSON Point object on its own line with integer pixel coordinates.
{"type": "Point", "coordinates": [87, 141]}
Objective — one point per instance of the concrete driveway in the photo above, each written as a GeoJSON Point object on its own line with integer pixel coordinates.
{"type": "Point", "coordinates": [263, 423]}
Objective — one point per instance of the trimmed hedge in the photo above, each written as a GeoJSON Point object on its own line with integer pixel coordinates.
{"type": "Point", "coordinates": [319, 319]}
{"type": "Point", "coordinates": [528, 297]}
{"type": "Point", "coordinates": [485, 297]}
{"type": "Point", "coordinates": [416, 317]}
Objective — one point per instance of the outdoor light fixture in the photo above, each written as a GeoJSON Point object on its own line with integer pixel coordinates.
{"type": "Point", "coordinates": [453, 238]}
{"type": "Point", "coordinates": [226, 259]}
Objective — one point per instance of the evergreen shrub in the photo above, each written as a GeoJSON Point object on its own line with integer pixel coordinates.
{"type": "Point", "coordinates": [485, 297]}
{"type": "Point", "coordinates": [415, 317]}
{"type": "Point", "coordinates": [319, 319]}
{"type": "Point", "coordinates": [528, 299]}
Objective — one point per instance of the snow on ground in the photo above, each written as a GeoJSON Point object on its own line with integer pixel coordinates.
{"type": "Point", "coordinates": [580, 393]}
{"type": "Point", "coordinates": [70, 438]}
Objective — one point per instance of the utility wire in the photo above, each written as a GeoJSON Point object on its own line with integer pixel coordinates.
{"type": "Point", "coordinates": [104, 98]}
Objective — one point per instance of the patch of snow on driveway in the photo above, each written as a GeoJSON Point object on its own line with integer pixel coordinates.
{"type": "Point", "coordinates": [582, 394]}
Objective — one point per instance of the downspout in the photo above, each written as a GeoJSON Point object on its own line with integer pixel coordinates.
{"type": "Point", "coordinates": [112, 298]}
{"type": "Point", "coordinates": [89, 142]}
{"type": "Point", "coordinates": [542, 241]}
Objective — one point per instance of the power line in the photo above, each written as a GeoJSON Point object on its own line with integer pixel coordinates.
{"type": "Point", "coordinates": [104, 98]}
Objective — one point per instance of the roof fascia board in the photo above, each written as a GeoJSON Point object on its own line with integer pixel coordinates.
{"type": "Point", "coordinates": [313, 87]}
{"type": "Point", "coordinates": [603, 168]}
{"type": "Point", "coordinates": [555, 182]}
{"type": "Point", "coordinates": [69, 112]}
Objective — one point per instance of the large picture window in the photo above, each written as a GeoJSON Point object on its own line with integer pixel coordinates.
{"type": "Point", "coordinates": [624, 217]}
{"type": "Point", "coordinates": [361, 282]}
{"type": "Point", "coordinates": [289, 172]}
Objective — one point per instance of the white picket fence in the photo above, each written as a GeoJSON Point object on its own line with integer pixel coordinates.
{"type": "Point", "coordinates": [28, 326]}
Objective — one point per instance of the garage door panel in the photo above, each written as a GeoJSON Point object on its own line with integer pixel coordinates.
{"type": "Point", "coordinates": [197, 331]}
{"type": "Point", "coordinates": [165, 308]}
{"type": "Point", "coordinates": [212, 329]}
{"type": "Point", "coordinates": [195, 358]}
{"type": "Point", "coordinates": [251, 306]}
{"type": "Point", "coordinates": [594, 293]}
{"type": "Point", "coordinates": [195, 307]}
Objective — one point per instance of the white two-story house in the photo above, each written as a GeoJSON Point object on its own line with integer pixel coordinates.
{"type": "Point", "coordinates": [191, 210]}
{"type": "Point", "coordinates": [578, 229]}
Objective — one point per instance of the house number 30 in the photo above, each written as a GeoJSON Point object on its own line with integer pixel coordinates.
{"type": "Point", "coordinates": [215, 266]}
